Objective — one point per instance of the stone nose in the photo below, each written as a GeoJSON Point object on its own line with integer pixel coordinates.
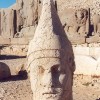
{"type": "Point", "coordinates": [47, 80]}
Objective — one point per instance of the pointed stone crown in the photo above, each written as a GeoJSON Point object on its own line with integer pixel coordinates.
{"type": "Point", "coordinates": [49, 35]}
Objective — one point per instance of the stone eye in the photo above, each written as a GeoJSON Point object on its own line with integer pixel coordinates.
{"type": "Point", "coordinates": [55, 69]}
{"type": "Point", "coordinates": [41, 70]}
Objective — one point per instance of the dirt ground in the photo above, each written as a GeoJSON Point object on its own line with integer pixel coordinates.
{"type": "Point", "coordinates": [84, 88]}
{"type": "Point", "coordinates": [18, 88]}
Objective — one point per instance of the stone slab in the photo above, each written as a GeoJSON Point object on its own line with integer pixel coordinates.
{"type": "Point", "coordinates": [87, 65]}
{"type": "Point", "coordinates": [19, 41]}
{"type": "Point", "coordinates": [81, 50]}
{"type": "Point", "coordinates": [93, 39]}
{"type": "Point", "coordinates": [95, 51]}
{"type": "Point", "coordinates": [77, 40]}
{"type": "Point", "coordinates": [4, 41]}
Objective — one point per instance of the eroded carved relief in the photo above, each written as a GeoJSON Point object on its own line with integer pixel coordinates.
{"type": "Point", "coordinates": [77, 23]}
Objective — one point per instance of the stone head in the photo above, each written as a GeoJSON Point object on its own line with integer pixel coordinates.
{"type": "Point", "coordinates": [50, 79]}
{"type": "Point", "coordinates": [50, 58]}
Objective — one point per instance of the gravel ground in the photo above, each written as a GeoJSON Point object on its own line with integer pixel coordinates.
{"type": "Point", "coordinates": [19, 89]}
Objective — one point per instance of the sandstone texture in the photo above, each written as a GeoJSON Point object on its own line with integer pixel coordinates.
{"type": "Point", "coordinates": [87, 65]}
{"type": "Point", "coordinates": [7, 23]}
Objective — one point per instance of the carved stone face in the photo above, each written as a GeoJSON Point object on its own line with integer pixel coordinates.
{"type": "Point", "coordinates": [50, 80]}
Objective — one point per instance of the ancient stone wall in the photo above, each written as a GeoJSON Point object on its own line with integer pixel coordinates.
{"type": "Point", "coordinates": [24, 15]}
{"type": "Point", "coordinates": [21, 19]}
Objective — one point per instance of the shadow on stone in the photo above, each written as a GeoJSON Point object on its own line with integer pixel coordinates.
{"type": "Point", "coordinates": [21, 76]}
{"type": "Point", "coordinates": [3, 57]}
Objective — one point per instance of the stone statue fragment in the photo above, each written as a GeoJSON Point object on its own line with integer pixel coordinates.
{"type": "Point", "coordinates": [50, 58]}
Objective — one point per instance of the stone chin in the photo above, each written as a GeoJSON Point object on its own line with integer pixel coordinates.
{"type": "Point", "coordinates": [48, 96]}
{"type": "Point", "coordinates": [52, 96]}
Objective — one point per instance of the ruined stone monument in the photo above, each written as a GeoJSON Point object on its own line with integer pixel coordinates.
{"type": "Point", "coordinates": [77, 17]}
{"type": "Point", "coordinates": [50, 58]}
{"type": "Point", "coordinates": [76, 22]}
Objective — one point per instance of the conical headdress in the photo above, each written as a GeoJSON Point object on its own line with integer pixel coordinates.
{"type": "Point", "coordinates": [49, 38]}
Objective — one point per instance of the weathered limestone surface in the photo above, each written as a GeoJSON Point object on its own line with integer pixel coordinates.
{"type": "Point", "coordinates": [7, 23]}
{"type": "Point", "coordinates": [27, 14]}
{"type": "Point", "coordinates": [93, 39]}
{"type": "Point", "coordinates": [77, 40]}
{"type": "Point", "coordinates": [14, 41]}
{"type": "Point", "coordinates": [87, 51]}
{"type": "Point", "coordinates": [87, 65]}
{"type": "Point", "coordinates": [21, 15]}
{"type": "Point", "coordinates": [19, 41]}
{"type": "Point", "coordinates": [50, 58]}
{"type": "Point", "coordinates": [77, 18]}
